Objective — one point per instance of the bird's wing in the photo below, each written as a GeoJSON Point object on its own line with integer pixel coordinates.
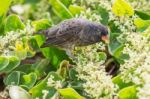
{"type": "Point", "coordinates": [89, 35]}
{"type": "Point", "coordinates": [67, 33]}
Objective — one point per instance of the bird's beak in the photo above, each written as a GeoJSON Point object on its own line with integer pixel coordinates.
{"type": "Point", "coordinates": [105, 39]}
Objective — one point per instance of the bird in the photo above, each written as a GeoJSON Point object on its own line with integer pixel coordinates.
{"type": "Point", "coordinates": [75, 32]}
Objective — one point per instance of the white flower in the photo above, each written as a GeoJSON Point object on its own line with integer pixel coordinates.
{"type": "Point", "coordinates": [98, 84]}
{"type": "Point", "coordinates": [53, 83]}
{"type": "Point", "coordinates": [137, 68]}
{"type": "Point", "coordinates": [45, 93]}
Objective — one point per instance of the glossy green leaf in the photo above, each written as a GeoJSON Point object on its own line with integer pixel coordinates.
{"type": "Point", "coordinates": [72, 74]}
{"type": "Point", "coordinates": [33, 44]}
{"type": "Point", "coordinates": [13, 78]}
{"type": "Point", "coordinates": [55, 55]}
{"type": "Point", "coordinates": [128, 93]}
{"type": "Point", "coordinates": [21, 54]}
{"type": "Point", "coordinates": [60, 9]}
{"type": "Point", "coordinates": [62, 71]}
{"type": "Point", "coordinates": [41, 66]}
{"type": "Point", "coordinates": [76, 84]}
{"type": "Point", "coordinates": [26, 68]}
{"type": "Point", "coordinates": [4, 61]}
{"type": "Point", "coordinates": [36, 41]}
{"type": "Point", "coordinates": [66, 2]}
{"type": "Point", "coordinates": [29, 80]}
{"type": "Point", "coordinates": [142, 15]}
{"type": "Point", "coordinates": [141, 24]}
{"type": "Point", "coordinates": [40, 39]}
{"type": "Point", "coordinates": [117, 53]}
{"type": "Point", "coordinates": [75, 10]}
{"type": "Point", "coordinates": [113, 27]}
{"type": "Point", "coordinates": [114, 44]}
{"type": "Point", "coordinates": [104, 15]}
{"type": "Point", "coordinates": [13, 23]}
{"type": "Point", "coordinates": [116, 47]}
{"type": "Point", "coordinates": [41, 24]}
{"type": "Point", "coordinates": [120, 57]}
{"type": "Point", "coordinates": [36, 91]}
{"type": "Point", "coordinates": [69, 93]}
{"type": "Point", "coordinates": [13, 63]}
{"type": "Point", "coordinates": [4, 5]}
{"type": "Point", "coordinates": [119, 82]}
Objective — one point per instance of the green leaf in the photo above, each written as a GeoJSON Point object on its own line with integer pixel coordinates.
{"type": "Point", "coordinates": [60, 9]}
{"type": "Point", "coordinates": [29, 80]}
{"type": "Point", "coordinates": [116, 48]}
{"type": "Point", "coordinates": [36, 91]}
{"type": "Point", "coordinates": [13, 78]}
{"type": "Point", "coordinates": [113, 27]}
{"type": "Point", "coordinates": [76, 84]}
{"type": "Point", "coordinates": [21, 54]}
{"type": "Point", "coordinates": [66, 2]}
{"type": "Point", "coordinates": [55, 55]}
{"type": "Point", "coordinates": [69, 93]}
{"type": "Point", "coordinates": [41, 24]}
{"type": "Point", "coordinates": [141, 24]}
{"type": "Point", "coordinates": [4, 61]}
{"type": "Point", "coordinates": [121, 84]}
{"type": "Point", "coordinates": [118, 51]}
{"type": "Point", "coordinates": [114, 44]}
{"type": "Point", "coordinates": [104, 15]}
{"type": "Point", "coordinates": [26, 68]}
{"type": "Point", "coordinates": [142, 15]}
{"type": "Point", "coordinates": [72, 74]}
{"type": "Point", "coordinates": [128, 93]}
{"type": "Point", "coordinates": [75, 10]}
{"type": "Point", "coordinates": [33, 43]}
{"type": "Point", "coordinates": [40, 39]}
{"type": "Point", "coordinates": [4, 5]}
{"type": "Point", "coordinates": [120, 57]}
{"type": "Point", "coordinates": [36, 41]}
{"type": "Point", "coordinates": [41, 66]}
{"type": "Point", "coordinates": [13, 63]}
{"type": "Point", "coordinates": [62, 71]}
{"type": "Point", "coordinates": [13, 23]}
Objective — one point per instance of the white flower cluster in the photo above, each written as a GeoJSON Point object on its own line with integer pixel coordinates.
{"type": "Point", "coordinates": [124, 23]}
{"type": "Point", "coordinates": [42, 10]}
{"type": "Point", "coordinates": [52, 83]}
{"type": "Point", "coordinates": [7, 42]}
{"type": "Point", "coordinates": [136, 69]}
{"type": "Point", "coordinates": [45, 93]}
{"type": "Point", "coordinates": [97, 83]}
{"type": "Point", "coordinates": [141, 5]}
{"type": "Point", "coordinates": [87, 15]}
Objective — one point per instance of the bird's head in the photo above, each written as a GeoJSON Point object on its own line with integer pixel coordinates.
{"type": "Point", "coordinates": [104, 34]}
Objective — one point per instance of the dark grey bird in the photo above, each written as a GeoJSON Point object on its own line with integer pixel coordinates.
{"type": "Point", "coordinates": [75, 32]}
